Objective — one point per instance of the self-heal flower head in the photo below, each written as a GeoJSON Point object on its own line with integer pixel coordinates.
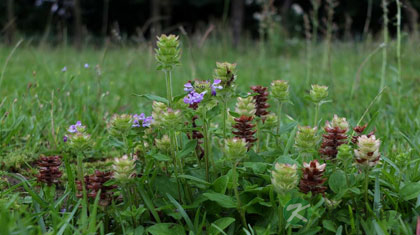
{"type": "Point", "coordinates": [76, 127]}
{"type": "Point", "coordinates": [338, 122]}
{"type": "Point", "coordinates": [171, 118]}
{"type": "Point", "coordinates": [318, 93]}
{"type": "Point", "coordinates": [245, 106]}
{"type": "Point", "coordinates": [280, 90]}
{"type": "Point", "coordinates": [168, 52]}
{"type": "Point", "coordinates": [235, 148]}
{"type": "Point", "coordinates": [284, 177]}
{"type": "Point", "coordinates": [226, 73]}
{"type": "Point", "coordinates": [86, 66]}
{"type": "Point", "coordinates": [120, 124]}
{"type": "Point", "coordinates": [367, 153]}
{"type": "Point", "coordinates": [306, 139]}
{"type": "Point", "coordinates": [157, 110]}
{"type": "Point", "coordinates": [79, 141]}
{"type": "Point", "coordinates": [188, 87]}
{"type": "Point", "coordinates": [163, 144]}
{"type": "Point", "coordinates": [124, 168]}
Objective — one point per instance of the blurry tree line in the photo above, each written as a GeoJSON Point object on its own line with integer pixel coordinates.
{"type": "Point", "coordinates": [57, 21]}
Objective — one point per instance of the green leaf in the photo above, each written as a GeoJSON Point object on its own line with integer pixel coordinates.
{"type": "Point", "coordinates": [166, 229]}
{"type": "Point", "coordinates": [188, 148]}
{"type": "Point", "coordinates": [410, 191]}
{"type": "Point", "coordinates": [161, 157]}
{"type": "Point", "coordinates": [339, 230]}
{"type": "Point", "coordinates": [220, 184]}
{"type": "Point", "coordinates": [257, 167]}
{"type": "Point", "coordinates": [182, 212]}
{"type": "Point", "coordinates": [198, 180]}
{"type": "Point", "coordinates": [221, 223]}
{"type": "Point", "coordinates": [153, 98]}
{"type": "Point", "coordinates": [221, 199]}
{"type": "Point", "coordinates": [329, 225]}
{"type": "Point", "coordinates": [337, 181]}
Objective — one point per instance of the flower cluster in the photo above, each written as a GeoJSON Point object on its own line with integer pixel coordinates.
{"type": "Point", "coordinates": [226, 73]}
{"type": "Point", "coordinates": [280, 90]}
{"type": "Point", "coordinates": [367, 153]}
{"type": "Point", "coordinates": [95, 182]}
{"type": "Point", "coordinates": [284, 177]}
{"type": "Point", "coordinates": [260, 99]}
{"type": "Point", "coordinates": [312, 178]}
{"type": "Point", "coordinates": [168, 52]}
{"type": "Point", "coordinates": [306, 139]}
{"type": "Point", "coordinates": [141, 120]}
{"type": "Point", "coordinates": [77, 139]}
{"type": "Point", "coordinates": [235, 148]}
{"type": "Point", "coordinates": [124, 168]}
{"type": "Point", "coordinates": [49, 171]}
{"type": "Point", "coordinates": [318, 93]}
{"type": "Point", "coordinates": [359, 130]}
{"type": "Point", "coordinates": [335, 136]}
{"type": "Point", "coordinates": [198, 89]}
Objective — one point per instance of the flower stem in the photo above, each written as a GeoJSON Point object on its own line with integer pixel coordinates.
{"type": "Point", "coordinates": [168, 78]}
{"type": "Point", "coordinates": [316, 115]}
{"type": "Point", "coordinates": [224, 119]}
{"type": "Point", "coordinates": [238, 199]}
{"type": "Point", "coordinates": [366, 190]}
{"type": "Point", "coordinates": [206, 146]}
{"type": "Point", "coordinates": [279, 106]}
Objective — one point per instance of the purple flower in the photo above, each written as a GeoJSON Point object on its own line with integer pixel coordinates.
{"type": "Point", "coordinates": [65, 138]}
{"type": "Point", "coordinates": [64, 69]}
{"type": "Point", "coordinates": [194, 97]}
{"type": "Point", "coordinates": [188, 87]}
{"type": "Point", "coordinates": [74, 128]}
{"type": "Point", "coordinates": [215, 86]}
{"type": "Point", "coordinates": [141, 120]}
{"type": "Point", "coordinates": [86, 66]}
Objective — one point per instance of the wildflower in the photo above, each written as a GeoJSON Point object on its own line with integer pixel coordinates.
{"type": "Point", "coordinates": [245, 106]}
{"type": "Point", "coordinates": [49, 171]}
{"type": "Point", "coordinates": [64, 69]}
{"type": "Point", "coordinates": [244, 129]}
{"type": "Point", "coordinates": [163, 144]}
{"type": "Point", "coordinates": [124, 168]}
{"type": "Point", "coordinates": [86, 66]}
{"type": "Point", "coordinates": [120, 124]}
{"type": "Point", "coordinates": [194, 97]}
{"type": "Point", "coordinates": [188, 87]}
{"type": "Point", "coordinates": [367, 153]}
{"type": "Point", "coordinates": [79, 141]}
{"type": "Point", "coordinates": [270, 121]}
{"type": "Point", "coordinates": [359, 130]}
{"type": "Point", "coordinates": [235, 148]}
{"type": "Point", "coordinates": [284, 177]}
{"type": "Point", "coordinates": [141, 120]}
{"type": "Point", "coordinates": [76, 128]}
{"type": "Point", "coordinates": [336, 136]}
{"type": "Point", "coordinates": [157, 109]}
{"type": "Point", "coordinates": [168, 52]}
{"type": "Point", "coordinates": [226, 73]}
{"type": "Point", "coordinates": [306, 139]}
{"type": "Point", "coordinates": [171, 118]}
{"type": "Point", "coordinates": [65, 138]}
{"type": "Point", "coordinates": [318, 93]}
{"type": "Point", "coordinates": [261, 104]}
{"type": "Point", "coordinates": [280, 90]}
{"type": "Point", "coordinates": [312, 178]}
{"type": "Point", "coordinates": [95, 182]}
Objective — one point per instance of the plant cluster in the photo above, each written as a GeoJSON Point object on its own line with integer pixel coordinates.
{"type": "Point", "coordinates": [196, 167]}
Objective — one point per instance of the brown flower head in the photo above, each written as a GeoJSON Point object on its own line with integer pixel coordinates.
{"type": "Point", "coordinates": [312, 178]}
{"type": "Point", "coordinates": [244, 129]}
{"type": "Point", "coordinates": [49, 171]}
{"type": "Point", "coordinates": [261, 104]}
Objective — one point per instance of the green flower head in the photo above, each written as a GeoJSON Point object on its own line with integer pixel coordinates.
{"type": "Point", "coordinates": [168, 52]}
{"type": "Point", "coordinates": [318, 93]}
{"type": "Point", "coordinates": [280, 90]}
{"type": "Point", "coordinates": [284, 177]}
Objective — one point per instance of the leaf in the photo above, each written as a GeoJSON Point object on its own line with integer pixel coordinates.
{"type": "Point", "coordinates": [166, 229]}
{"type": "Point", "coordinates": [220, 184]}
{"type": "Point", "coordinates": [161, 157]}
{"type": "Point", "coordinates": [188, 148]}
{"type": "Point", "coordinates": [329, 225]}
{"type": "Point", "coordinates": [339, 230]}
{"type": "Point", "coordinates": [257, 167]}
{"type": "Point", "coordinates": [410, 191]}
{"type": "Point", "coordinates": [221, 199]}
{"type": "Point", "coordinates": [198, 180]}
{"type": "Point", "coordinates": [337, 181]}
{"type": "Point", "coordinates": [153, 98]}
{"type": "Point", "coordinates": [182, 212]}
{"type": "Point", "coordinates": [221, 223]}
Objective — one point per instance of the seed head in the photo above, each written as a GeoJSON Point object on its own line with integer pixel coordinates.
{"type": "Point", "coordinates": [284, 177]}
{"type": "Point", "coordinates": [168, 52]}
{"type": "Point", "coordinates": [318, 93]}
{"type": "Point", "coordinates": [280, 90]}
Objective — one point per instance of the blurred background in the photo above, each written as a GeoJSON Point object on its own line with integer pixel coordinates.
{"type": "Point", "coordinates": [95, 22]}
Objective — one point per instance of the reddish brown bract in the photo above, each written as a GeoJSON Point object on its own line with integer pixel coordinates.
{"type": "Point", "coordinates": [244, 129]}
{"type": "Point", "coordinates": [312, 178]}
{"type": "Point", "coordinates": [331, 140]}
{"type": "Point", "coordinates": [49, 171]}
{"type": "Point", "coordinates": [96, 182]}
{"type": "Point", "coordinates": [359, 130]}
{"type": "Point", "coordinates": [261, 104]}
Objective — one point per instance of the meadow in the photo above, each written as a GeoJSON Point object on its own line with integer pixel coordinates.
{"type": "Point", "coordinates": [45, 90]}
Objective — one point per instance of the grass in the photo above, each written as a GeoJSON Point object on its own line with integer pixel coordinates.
{"type": "Point", "coordinates": [39, 101]}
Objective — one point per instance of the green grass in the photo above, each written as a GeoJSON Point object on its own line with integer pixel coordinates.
{"type": "Point", "coordinates": [38, 100]}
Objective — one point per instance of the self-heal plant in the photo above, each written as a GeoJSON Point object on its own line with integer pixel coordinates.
{"type": "Point", "coordinates": [336, 135]}
{"type": "Point", "coordinates": [280, 93]}
{"type": "Point", "coordinates": [367, 152]}
{"type": "Point", "coordinates": [318, 95]}
{"type": "Point", "coordinates": [284, 177]}
{"type": "Point", "coordinates": [306, 140]}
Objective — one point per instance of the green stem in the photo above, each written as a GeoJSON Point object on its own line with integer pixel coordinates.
{"type": "Point", "coordinates": [224, 119]}
{"type": "Point", "coordinates": [206, 147]}
{"type": "Point", "coordinates": [316, 115]}
{"type": "Point", "coordinates": [279, 106]}
{"type": "Point", "coordinates": [281, 218]}
{"type": "Point", "coordinates": [366, 190]}
{"type": "Point", "coordinates": [173, 154]}
{"type": "Point", "coordinates": [168, 78]}
{"type": "Point", "coordinates": [238, 199]}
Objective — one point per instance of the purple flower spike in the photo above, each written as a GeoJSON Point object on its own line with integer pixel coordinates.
{"type": "Point", "coordinates": [188, 87]}
{"type": "Point", "coordinates": [65, 138]}
{"type": "Point", "coordinates": [194, 97]}
{"type": "Point", "coordinates": [141, 120]}
{"type": "Point", "coordinates": [215, 86]}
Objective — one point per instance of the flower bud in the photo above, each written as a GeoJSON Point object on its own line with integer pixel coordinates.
{"type": "Point", "coordinates": [280, 90]}
{"type": "Point", "coordinates": [318, 93]}
{"type": "Point", "coordinates": [124, 168]}
{"type": "Point", "coordinates": [158, 108]}
{"type": "Point", "coordinates": [245, 106]}
{"type": "Point", "coordinates": [367, 153]}
{"type": "Point", "coordinates": [225, 72]}
{"type": "Point", "coordinates": [284, 177]}
{"type": "Point", "coordinates": [79, 141]}
{"type": "Point", "coordinates": [120, 124]}
{"type": "Point", "coordinates": [235, 148]}
{"type": "Point", "coordinates": [168, 52]}
{"type": "Point", "coordinates": [171, 118]}
{"type": "Point", "coordinates": [164, 144]}
{"type": "Point", "coordinates": [339, 122]}
{"type": "Point", "coordinates": [270, 121]}
{"type": "Point", "coordinates": [306, 139]}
